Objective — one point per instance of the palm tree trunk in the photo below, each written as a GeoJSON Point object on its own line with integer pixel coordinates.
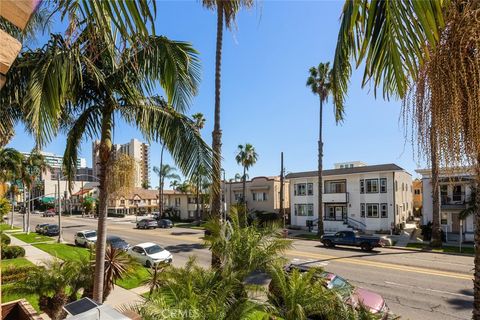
{"type": "Point", "coordinates": [320, 168]}
{"type": "Point", "coordinates": [436, 240]}
{"type": "Point", "coordinates": [476, 218]}
{"type": "Point", "coordinates": [29, 207]}
{"type": "Point", "coordinates": [105, 150]}
{"type": "Point", "coordinates": [198, 198]}
{"type": "Point", "coordinates": [160, 185]}
{"type": "Point", "coordinates": [217, 132]}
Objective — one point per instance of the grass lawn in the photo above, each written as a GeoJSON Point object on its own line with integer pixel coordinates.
{"type": "Point", "coordinates": [69, 252]}
{"type": "Point", "coordinates": [7, 295]}
{"type": "Point", "coordinates": [63, 251]}
{"type": "Point", "coordinates": [190, 225]}
{"type": "Point", "coordinates": [445, 249]}
{"type": "Point", "coordinates": [32, 237]}
{"type": "Point", "coordinates": [6, 227]}
{"type": "Point", "coordinates": [308, 236]}
{"type": "Point", "coordinates": [18, 262]}
{"type": "Point", "coordinates": [136, 279]}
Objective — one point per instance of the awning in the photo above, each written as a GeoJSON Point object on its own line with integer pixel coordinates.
{"type": "Point", "coordinates": [48, 200]}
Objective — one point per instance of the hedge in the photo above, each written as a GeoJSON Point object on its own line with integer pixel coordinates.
{"type": "Point", "coordinates": [5, 240]}
{"type": "Point", "coordinates": [12, 252]}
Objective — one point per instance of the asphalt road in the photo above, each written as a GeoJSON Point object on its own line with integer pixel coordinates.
{"type": "Point", "coordinates": [416, 285]}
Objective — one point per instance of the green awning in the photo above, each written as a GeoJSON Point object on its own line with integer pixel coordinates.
{"type": "Point", "coordinates": [48, 200]}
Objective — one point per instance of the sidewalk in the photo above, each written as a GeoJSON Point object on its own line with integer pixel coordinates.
{"type": "Point", "coordinates": [118, 297]}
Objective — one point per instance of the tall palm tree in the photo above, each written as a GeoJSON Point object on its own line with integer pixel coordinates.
{"type": "Point", "coordinates": [226, 14]}
{"type": "Point", "coordinates": [174, 184]}
{"type": "Point", "coordinates": [93, 84]}
{"type": "Point", "coordinates": [34, 165]}
{"type": "Point", "coordinates": [199, 120]}
{"type": "Point", "coordinates": [164, 172]}
{"type": "Point", "coordinates": [246, 157]}
{"type": "Point", "coordinates": [320, 83]}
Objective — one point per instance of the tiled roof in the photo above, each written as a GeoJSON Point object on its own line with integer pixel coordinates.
{"type": "Point", "coordinates": [334, 172]}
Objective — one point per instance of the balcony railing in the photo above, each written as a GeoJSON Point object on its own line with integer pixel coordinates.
{"type": "Point", "coordinates": [335, 197]}
{"type": "Point", "coordinates": [457, 201]}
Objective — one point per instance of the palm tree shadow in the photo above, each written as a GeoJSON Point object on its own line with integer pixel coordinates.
{"type": "Point", "coordinates": [184, 247]}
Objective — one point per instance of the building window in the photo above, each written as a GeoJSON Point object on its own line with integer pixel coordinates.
{"type": "Point", "coordinates": [362, 186]}
{"type": "Point", "coordinates": [177, 202]}
{"type": "Point", "coordinates": [444, 218]}
{"type": "Point", "coordinates": [191, 214]}
{"type": "Point", "coordinates": [259, 196]}
{"type": "Point", "coordinates": [372, 185]}
{"type": "Point", "coordinates": [396, 185]}
{"type": "Point", "coordinates": [310, 189]}
{"type": "Point", "coordinates": [417, 191]}
{"type": "Point", "coordinates": [192, 200]}
{"type": "Point", "coordinates": [362, 210]}
{"type": "Point", "coordinates": [335, 186]}
{"type": "Point", "coordinates": [403, 187]}
{"type": "Point", "coordinates": [330, 213]}
{"type": "Point", "coordinates": [304, 210]}
{"type": "Point", "coordinates": [122, 202]}
{"type": "Point", "coordinates": [384, 210]}
{"type": "Point", "coordinates": [372, 210]}
{"type": "Point", "coordinates": [302, 189]}
{"type": "Point", "coordinates": [383, 185]}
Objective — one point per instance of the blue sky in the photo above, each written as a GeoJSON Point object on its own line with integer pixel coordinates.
{"type": "Point", "coordinates": [264, 98]}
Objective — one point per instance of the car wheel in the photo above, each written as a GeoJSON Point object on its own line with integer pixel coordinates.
{"type": "Point", "coordinates": [148, 264]}
{"type": "Point", "coordinates": [76, 242]}
{"type": "Point", "coordinates": [366, 247]}
{"type": "Point", "coordinates": [328, 243]}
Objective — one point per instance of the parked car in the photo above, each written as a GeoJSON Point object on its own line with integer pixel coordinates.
{"type": "Point", "coordinates": [147, 224]}
{"type": "Point", "coordinates": [86, 238]}
{"type": "Point", "coordinates": [165, 223]}
{"type": "Point", "coordinates": [149, 254]}
{"type": "Point", "coordinates": [51, 230]}
{"type": "Point", "coordinates": [39, 227]}
{"type": "Point", "coordinates": [117, 242]}
{"type": "Point", "coordinates": [352, 295]}
{"type": "Point", "coordinates": [37, 212]}
{"type": "Point", "coordinates": [49, 213]}
{"type": "Point", "coordinates": [351, 238]}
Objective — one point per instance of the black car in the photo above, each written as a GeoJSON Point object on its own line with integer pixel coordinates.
{"type": "Point", "coordinates": [165, 223]}
{"type": "Point", "coordinates": [117, 243]}
{"type": "Point", "coordinates": [51, 230]}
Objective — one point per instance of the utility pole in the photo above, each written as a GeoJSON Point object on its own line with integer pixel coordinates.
{"type": "Point", "coordinates": [282, 197]}
{"type": "Point", "coordinates": [60, 239]}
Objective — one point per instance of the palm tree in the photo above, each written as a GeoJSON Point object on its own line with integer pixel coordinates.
{"type": "Point", "coordinates": [108, 84]}
{"type": "Point", "coordinates": [199, 124]}
{"type": "Point", "coordinates": [238, 177]}
{"type": "Point", "coordinates": [10, 164]}
{"type": "Point", "coordinates": [118, 264]}
{"type": "Point", "coordinates": [164, 172]}
{"type": "Point", "coordinates": [226, 14]}
{"type": "Point", "coordinates": [33, 166]}
{"type": "Point", "coordinates": [246, 157]}
{"type": "Point", "coordinates": [174, 184]}
{"type": "Point", "coordinates": [320, 83]}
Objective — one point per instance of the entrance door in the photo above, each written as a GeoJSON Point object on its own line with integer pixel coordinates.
{"type": "Point", "coordinates": [455, 223]}
{"type": "Point", "coordinates": [338, 213]}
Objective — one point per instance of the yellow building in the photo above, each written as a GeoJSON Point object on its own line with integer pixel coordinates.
{"type": "Point", "coordinates": [417, 197]}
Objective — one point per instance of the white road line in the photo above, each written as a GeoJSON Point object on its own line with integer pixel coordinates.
{"type": "Point", "coordinates": [431, 290]}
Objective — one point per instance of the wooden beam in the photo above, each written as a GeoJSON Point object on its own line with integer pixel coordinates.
{"type": "Point", "coordinates": [18, 12]}
{"type": "Point", "coordinates": [9, 50]}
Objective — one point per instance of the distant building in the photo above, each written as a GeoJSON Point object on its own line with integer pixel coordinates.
{"type": "Point", "coordinates": [183, 205]}
{"type": "Point", "coordinates": [417, 197]}
{"type": "Point", "coordinates": [55, 162]}
{"type": "Point", "coordinates": [368, 198]}
{"type": "Point", "coordinates": [261, 194]}
{"type": "Point", "coordinates": [137, 150]}
{"type": "Point", "coordinates": [455, 191]}
{"type": "Point", "coordinates": [351, 164]}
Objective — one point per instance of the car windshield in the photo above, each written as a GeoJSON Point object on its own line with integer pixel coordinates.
{"type": "Point", "coordinates": [338, 283]}
{"type": "Point", "coordinates": [90, 234]}
{"type": "Point", "coordinates": [52, 227]}
{"type": "Point", "coordinates": [115, 240]}
{"type": "Point", "coordinates": [153, 249]}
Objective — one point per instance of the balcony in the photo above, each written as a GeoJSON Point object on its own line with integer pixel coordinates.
{"type": "Point", "coordinates": [335, 197]}
{"type": "Point", "coordinates": [456, 201]}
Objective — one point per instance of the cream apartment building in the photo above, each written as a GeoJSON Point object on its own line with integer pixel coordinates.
{"type": "Point", "coordinates": [262, 194]}
{"type": "Point", "coordinates": [355, 196]}
{"type": "Point", "coordinates": [455, 190]}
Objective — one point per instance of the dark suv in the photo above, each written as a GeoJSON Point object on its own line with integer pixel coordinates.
{"type": "Point", "coordinates": [51, 230]}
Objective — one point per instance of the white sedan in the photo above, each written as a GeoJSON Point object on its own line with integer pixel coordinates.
{"type": "Point", "coordinates": [86, 238]}
{"type": "Point", "coordinates": [149, 254]}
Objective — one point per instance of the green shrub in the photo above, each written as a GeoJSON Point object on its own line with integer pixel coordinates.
{"type": "Point", "coordinates": [14, 274]}
{"type": "Point", "coordinates": [5, 240]}
{"type": "Point", "coordinates": [115, 215]}
{"type": "Point", "coordinates": [12, 252]}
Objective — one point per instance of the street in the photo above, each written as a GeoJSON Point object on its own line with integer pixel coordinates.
{"type": "Point", "coordinates": [415, 284]}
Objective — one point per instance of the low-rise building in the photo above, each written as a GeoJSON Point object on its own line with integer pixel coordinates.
{"type": "Point", "coordinates": [365, 197]}
{"type": "Point", "coordinates": [261, 194]}
{"type": "Point", "coordinates": [455, 190]}
{"type": "Point", "coordinates": [139, 200]}
{"type": "Point", "coordinates": [417, 197]}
